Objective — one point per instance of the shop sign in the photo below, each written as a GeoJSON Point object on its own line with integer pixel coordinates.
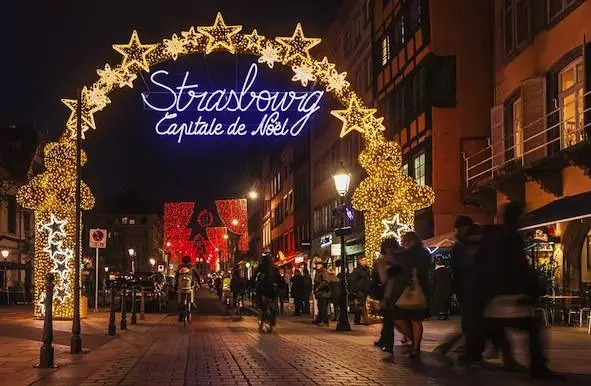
{"type": "Point", "coordinates": [325, 240]}
{"type": "Point", "coordinates": [354, 249]}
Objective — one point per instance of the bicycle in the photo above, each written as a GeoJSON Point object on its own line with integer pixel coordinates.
{"type": "Point", "coordinates": [186, 310]}
{"type": "Point", "coordinates": [268, 314]}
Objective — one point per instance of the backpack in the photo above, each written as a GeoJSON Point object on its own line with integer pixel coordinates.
{"type": "Point", "coordinates": [265, 285]}
{"type": "Point", "coordinates": [185, 280]}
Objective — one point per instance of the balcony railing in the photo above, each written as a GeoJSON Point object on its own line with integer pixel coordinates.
{"type": "Point", "coordinates": [560, 129]}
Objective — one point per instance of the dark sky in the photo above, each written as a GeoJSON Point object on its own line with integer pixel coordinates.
{"type": "Point", "coordinates": [52, 47]}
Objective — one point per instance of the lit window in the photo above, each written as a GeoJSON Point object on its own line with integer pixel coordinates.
{"type": "Point", "coordinates": [419, 169]}
{"type": "Point", "coordinates": [571, 104]}
{"type": "Point", "coordinates": [385, 50]}
{"type": "Point", "coordinates": [405, 169]}
{"type": "Point", "coordinates": [517, 129]}
{"type": "Point", "coordinates": [124, 221]}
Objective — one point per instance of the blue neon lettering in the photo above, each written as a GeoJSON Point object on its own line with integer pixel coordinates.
{"type": "Point", "coordinates": [188, 98]}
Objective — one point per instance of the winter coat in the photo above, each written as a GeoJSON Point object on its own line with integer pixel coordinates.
{"type": "Point", "coordinates": [307, 284]}
{"type": "Point", "coordinates": [360, 281]}
{"type": "Point", "coordinates": [401, 272]}
{"type": "Point", "coordinates": [465, 261]}
{"type": "Point", "coordinates": [322, 284]}
{"type": "Point", "coordinates": [335, 287]}
{"type": "Point", "coordinates": [298, 289]}
{"type": "Point", "coordinates": [440, 291]}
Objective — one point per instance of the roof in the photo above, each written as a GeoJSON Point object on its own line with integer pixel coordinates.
{"type": "Point", "coordinates": [565, 209]}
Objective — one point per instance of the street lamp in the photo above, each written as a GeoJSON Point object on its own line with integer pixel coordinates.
{"type": "Point", "coordinates": [152, 262]}
{"type": "Point", "coordinates": [5, 254]}
{"type": "Point", "coordinates": [342, 178]}
{"type": "Point", "coordinates": [253, 195]}
{"type": "Point", "coordinates": [131, 252]}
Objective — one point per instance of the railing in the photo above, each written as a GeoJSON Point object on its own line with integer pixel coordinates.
{"type": "Point", "coordinates": [531, 143]}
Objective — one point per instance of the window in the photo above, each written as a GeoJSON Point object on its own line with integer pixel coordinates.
{"type": "Point", "coordinates": [419, 169]}
{"type": "Point", "coordinates": [516, 24]}
{"type": "Point", "coordinates": [132, 221]}
{"type": "Point", "coordinates": [405, 169]}
{"type": "Point", "coordinates": [570, 100]}
{"type": "Point", "coordinates": [386, 50]}
{"type": "Point", "coordinates": [124, 220]}
{"type": "Point", "coordinates": [557, 8]}
{"type": "Point", "coordinates": [517, 129]}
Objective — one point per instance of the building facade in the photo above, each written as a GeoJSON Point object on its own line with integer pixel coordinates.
{"type": "Point", "coordinates": [142, 232]}
{"type": "Point", "coordinates": [20, 160]}
{"type": "Point", "coordinates": [432, 66]}
{"type": "Point", "coordinates": [539, 153]}
{"type": "Point", "coordinates": [348, 45]}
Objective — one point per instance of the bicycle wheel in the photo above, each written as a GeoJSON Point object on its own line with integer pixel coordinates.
{"type": "Point", "coordinates": [188, 310]}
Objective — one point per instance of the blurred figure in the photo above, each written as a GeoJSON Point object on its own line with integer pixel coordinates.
{"type": "Point", "coordinates": [283, 294]}
{"type": "Point", "coordinates": [307, 290]}
{"type": "Point", "coordinates": [440, 291]}
{"type": "Point", "coordinates": [360, 281]}
{"type": "Point", "coordinates": [298, 292]}
{"type": "Point", "coordinates": [321, 291]}
{"type": "Point", "coordinates": [510, 289]}
{"type": "Point", "coordinates": [335, 292]}
{"type": "Point", "coordinates": [218, 285]}
{"type": "Point", "coordinates": [267, 282]}
{"type": "Point", "coordinates": [409, 298]}
{"type": "Point", "coordinates": [236, 286]}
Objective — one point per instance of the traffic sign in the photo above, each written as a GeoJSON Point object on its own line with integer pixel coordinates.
{"type": "Point", "coordinates": [98, 238]}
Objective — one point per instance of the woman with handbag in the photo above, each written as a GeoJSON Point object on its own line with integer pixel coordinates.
{"type": "Point", "coordinates": [408, 299]}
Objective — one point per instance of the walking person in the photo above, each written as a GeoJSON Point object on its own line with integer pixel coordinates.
{"type": "Point", "coordinates": [283, 294]}
{"type": "Point", "coordinates": [298, 291]}
{"type": "Point", "coordinates": [307, 279]}
{"type": "Point", "coordinates": [440, 291]}
{"type": "Point", "coordinates": [360, 281]}
{"type": "Point", "coordinates": [409, 297]}
{"type": "Point", "coordinates": [321, 291]}
{"type": "Point", "coordinates": [236, 286]}
{"type": "Point", "coordinates": [335, 292]}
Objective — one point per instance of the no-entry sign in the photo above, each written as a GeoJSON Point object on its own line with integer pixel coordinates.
{"type": "Point", "coordinates": [98, 238]}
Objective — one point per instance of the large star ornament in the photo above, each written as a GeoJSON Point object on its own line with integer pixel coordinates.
{"type": "Point", "coordinates": [354, 118]}
{"type": "Point", "coordinates": [394, 228]}
{"type": "Point", "coordinates": [220, 35]}
{"type": "Point", "coordinates": [87, 113]}
{"type": "Point", "coordinates": [55, 227]}
{"type": "Point", "coordinates": [135, 53]}
{"type": "Point", "coordinates": [297, 46]}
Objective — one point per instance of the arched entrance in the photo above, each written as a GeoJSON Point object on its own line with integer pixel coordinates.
{"type": "Point", "coordinates": [575, 254]}
{"type": "Point", "coordinates": [388, 197]}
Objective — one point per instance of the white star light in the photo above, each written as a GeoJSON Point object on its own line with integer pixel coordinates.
{"type": "Point", "coordinates": [97, 98]}
{"type": "Point", "coordinates": [394, 228]}
{"type": "Point", "coordinates": [174, 46]}
{"type": "Point", "coordinates": [336, 81]}
{"type": "Point", "coordinates": [303, 74]}
{"type": "Point", "coordinates": [269, 55]}
{"type": "Point", "coordinates": [55, 227]}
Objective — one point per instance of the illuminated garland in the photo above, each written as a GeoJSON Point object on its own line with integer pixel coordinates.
{"type": "Point", "coordinates": [205, 218]}
{"type": "Point", "coordinates": [383, 194]}
{"type": "Point", "coordinates": [234, 216]}
{"type": "Point", "coordinates": [177, 232]}
{"type": "Point", "coordinates": [217, 238]}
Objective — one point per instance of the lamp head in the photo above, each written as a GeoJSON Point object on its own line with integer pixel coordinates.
{"type": "Point", "coordinates": [342, 179]}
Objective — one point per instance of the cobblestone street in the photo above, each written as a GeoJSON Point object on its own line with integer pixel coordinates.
{"type": "Point", "coordinates": [219, 350]}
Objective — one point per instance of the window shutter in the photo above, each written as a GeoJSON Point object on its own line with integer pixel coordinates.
{"type": "Point", "coordinates": [497, 135]}
{"type": "Point", "coordinates": [533, 96]}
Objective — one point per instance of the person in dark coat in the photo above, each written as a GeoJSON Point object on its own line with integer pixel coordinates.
{"type": "Point", "coordinates": [236, 286]}
{"type": "Point", "coordinates": [440, 291]}
{"type": "Point", "coordinates": [307, 290]}
{"type": "Point", "coordinates": [298, 292]}
{"type": "Point", "coordinates": [413, 265]}
{"type": "Point", "coordinates": [360, 281]}
{"type": "Point", "coordinates": [321, 291]}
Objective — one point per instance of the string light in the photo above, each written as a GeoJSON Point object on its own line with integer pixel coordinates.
{"type": "Point", "coordinates": [303, 74]}
{"type": "Point", "coordinates": [135, 53]}
{"type": "Point", "coordinates": [297, 47]}
{"type": "Point", "coordinates": [355, 117]}
{"type": "Point", "coordinates": [174, 46]}
{"type": "Point", "coordinates": [254, 41]}
{"type": "Point", "coordinates": [177, 232]}
{"type": "Point", "coordinates": [336, 82]}
{"type": "Point", "coordinates": [233, 214]}
{"type": "Point", "coordinates": [270, 55]}
{"type": "Point", "coordinates": [87, 113]}
{"type": "Point", "coordinates": [220, 35]}
{"type": "Point", "coordinates": [394, 228]}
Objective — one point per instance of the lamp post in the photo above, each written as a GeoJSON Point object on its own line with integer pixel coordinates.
{"type": "Point", "coordinates": [105, 280]}
{"type": "Point", "coordinates": [131, 253]}
{"type": "Point", "coordinates": [342, 178]}
{"type": "Point", "coordinates": [5, 254]}
{"type": "Point", "coordinates": [152, 263]}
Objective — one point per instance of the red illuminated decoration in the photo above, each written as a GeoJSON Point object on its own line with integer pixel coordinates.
{"type": "Point", "coordinates": [177, 232]}
{"type": "Point", "coordinates": [205, 218]}
{"type": "Point", "coordinates": [218, 241]}
{"type": "Point", "coordinates": [233, 214]}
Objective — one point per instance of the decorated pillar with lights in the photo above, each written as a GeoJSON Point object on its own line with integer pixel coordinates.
{"type": "Point", "coordinates": [52, 195]}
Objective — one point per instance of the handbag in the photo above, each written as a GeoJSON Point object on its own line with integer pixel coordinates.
{"type": "Point", "coordinates": [412, 298]}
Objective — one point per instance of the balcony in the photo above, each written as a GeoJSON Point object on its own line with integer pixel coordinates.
{"type": "Point", "coordinates": [537, 151]}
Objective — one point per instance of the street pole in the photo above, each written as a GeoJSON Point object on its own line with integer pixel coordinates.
{"type": "Point", "coordinates": [76, 341]}
{"type": "Point", "coordinates": [96, 281]}
{"type": "Point", "coordinates": [343, 323]}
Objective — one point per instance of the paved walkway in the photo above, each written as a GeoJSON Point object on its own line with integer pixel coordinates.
{"type": "Point", "coordinates": [217, 350]}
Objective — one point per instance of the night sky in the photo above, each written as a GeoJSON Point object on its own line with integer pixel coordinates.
{"type": "Point", "coordinates": [51, 48]}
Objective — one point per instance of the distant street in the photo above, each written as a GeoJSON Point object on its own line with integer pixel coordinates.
{"type": "Point", "coordinates": [218, 350]}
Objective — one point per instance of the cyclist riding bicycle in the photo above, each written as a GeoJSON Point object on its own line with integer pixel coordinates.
{"type": "Point", "coordinates": [268, 279]}
{"type": "Point", "coordinates": [186, 282]}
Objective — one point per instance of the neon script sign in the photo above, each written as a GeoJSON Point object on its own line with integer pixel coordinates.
{"type": "Point", "coordinates": [278, 113]}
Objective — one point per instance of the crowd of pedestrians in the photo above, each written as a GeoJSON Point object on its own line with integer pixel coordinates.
{"type": "Point", "coordinates": [488, 275]}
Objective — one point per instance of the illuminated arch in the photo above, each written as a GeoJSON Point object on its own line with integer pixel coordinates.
{"type": "Point", "coordinates": [385, 193]}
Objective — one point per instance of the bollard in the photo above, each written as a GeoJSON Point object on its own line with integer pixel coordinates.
{"type": "Point", "coordinates": [123, 310]}
{"type": "Point", "coordinates": [142, 305]}
{"type": "Point", "coordinates": [112, 326]}
{"type": "Point", "coordinates": [133, 314]}
{"type": "Point", "coordinates": [46, 353]}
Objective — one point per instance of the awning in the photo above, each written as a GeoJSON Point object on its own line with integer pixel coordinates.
{"type": "Point", "coordinates": [441, 241]}
{"type": "Point", "coordinates": [566, 209]}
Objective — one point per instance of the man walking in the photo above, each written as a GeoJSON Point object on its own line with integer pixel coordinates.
{"type": "Point", "coordinates": [360, 282]}
{"type": "Point", "coordinates": [321, 291]}
{"type": "Point", "coordinates": [298, 292]}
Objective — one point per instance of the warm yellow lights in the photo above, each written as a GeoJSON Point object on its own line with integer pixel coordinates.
{"type": "Point", "coordinates": [220, 35]}
{"type": "Point", "coordinates": [135, 53]}
{"type": "Point", "coordinates": [394, 228]}
{"type": "Point", "coordinates": [388, 197]}
{"type": "Point", "coordinates": [297, 47]}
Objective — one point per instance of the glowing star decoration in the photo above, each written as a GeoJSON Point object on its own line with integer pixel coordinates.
{"type": "Point", "coordinates": [126, 78]}
{"type": "Point", "coordinates": [354, 117]}
{"type": "Point", "coordinates": [88, 111]}
{"type": "Point", "coordinates": [135, 53]}
{"type": "Point", "coordinates": [97, 97]}
{"type": "Point", "coordinates": [52, 248]}
{"type": "Point", "coordinates": [323, 67]}
{"type": "Point", "coordinates": [303, 74]}
{"type": "Point", "coordinates": [297, 47]}
{"type": "Point", "coordinates": [191, 36]}
{"type": "Point", "coordinates": [336, 81]}
{"type": "Point", "coordinates": [174, 46]}
{"type": "Point", "coordinates": [269, 55]}
{"type": "Point", "coordinates": [220, 35]}
{"type": "Point", "coordinates": [394, 228]}
{"type": "Point", "coordinates": [55, 227]}
{"type": "Point", "coordinates": [108, 76]}
{"type": "Point", "coordinates": [254, 41]}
